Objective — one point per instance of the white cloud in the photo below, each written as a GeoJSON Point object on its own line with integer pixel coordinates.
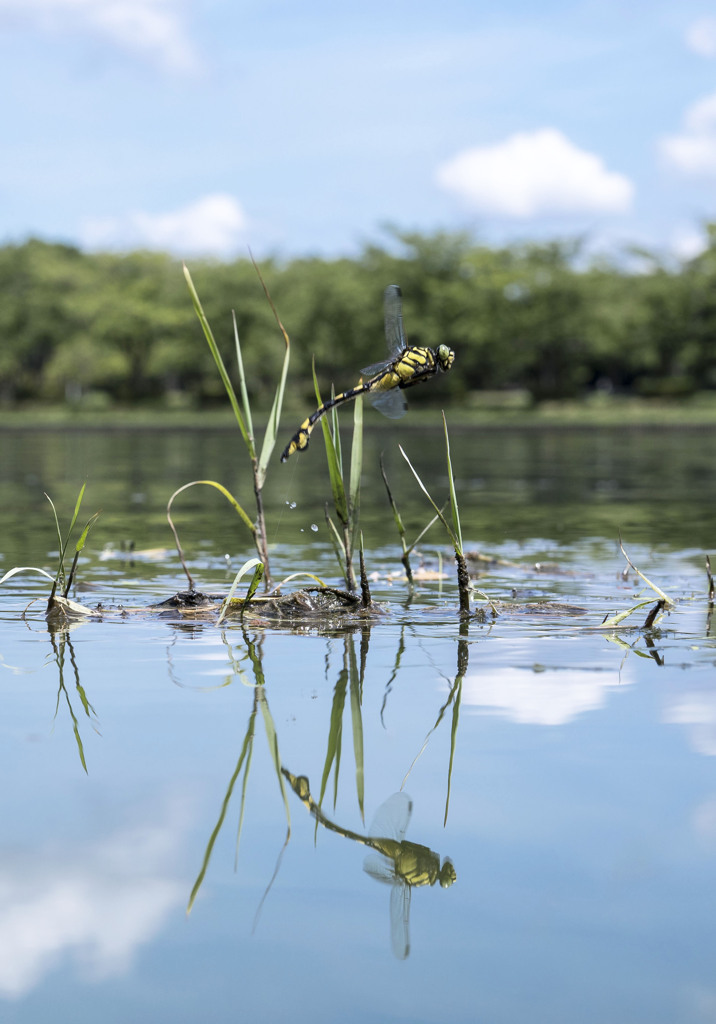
{"type": "Point", "coordinates": [97, 905]}
{"type": "Point", "coordinates": [532, 174]}
{"type": "Point", "coordinates": [696, 711]}
{"type": "Point", "coordinates": [547, 697]}
{"type": "Point", "coordinates": [701, 37]}
{"type": "Point", "coordinates": [694, 150]}
{"type": "Point", "coordinates": [213, 225]}
{"type": "Point", "coordinates": [149, 28]}
{"type": "Point", "coordinates": [688, 242]}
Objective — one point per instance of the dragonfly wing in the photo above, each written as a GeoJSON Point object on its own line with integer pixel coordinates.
{"type": "Point", "coordinates": [375, 368]}
{"type": "Point", "coordinates": [391, 403]}
{"type": "Point", "coordinates": [394, 332]}
{"type": "Point", "coordinates": [392, 817]}
{"type": "Point", "coordinates": [380, 867]}
{"type": "Point", "coordinates": [400, 919]}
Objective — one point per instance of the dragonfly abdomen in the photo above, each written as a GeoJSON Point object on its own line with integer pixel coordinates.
{"type": "Point", "coordinates": [299, 441]}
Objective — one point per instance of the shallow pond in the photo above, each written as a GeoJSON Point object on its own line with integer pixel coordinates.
{"type": "Point", "coordinates": [560, 840]}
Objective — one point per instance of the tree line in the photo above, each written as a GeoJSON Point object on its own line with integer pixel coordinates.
{"type": "Point", "coordinates": [539, 317]}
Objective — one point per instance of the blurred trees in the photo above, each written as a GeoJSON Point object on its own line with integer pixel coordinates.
{"type": "Point", "coordinates": [538, 317]}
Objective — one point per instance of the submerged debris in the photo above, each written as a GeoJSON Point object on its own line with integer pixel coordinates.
{"type": "Point", "coordinates": [193, 599]}
{"type": "Point", "coordinates": [61, 612]}
{"type": "Point", "coordinates": [322, 603]}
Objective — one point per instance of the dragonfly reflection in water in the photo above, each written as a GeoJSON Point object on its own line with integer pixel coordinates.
{"type": "Point", "coordinates": [397, 861]}
{"type": "Point", "coordinates": [384, 382]}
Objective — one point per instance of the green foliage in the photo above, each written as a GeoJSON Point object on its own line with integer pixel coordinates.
{"type": "Point", "coordinates": [92, 328]}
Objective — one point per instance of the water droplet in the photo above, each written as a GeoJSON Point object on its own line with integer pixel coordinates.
{"type": "Point", "coordinates": [292, 504]}
{"type": "Point", "coordinates": [301, 530]}
{"type": "Point", "coordinates": [314, 527]}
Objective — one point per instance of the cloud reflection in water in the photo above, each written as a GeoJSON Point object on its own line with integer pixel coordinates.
{"type": "Point", "coordinates": [97, 904]}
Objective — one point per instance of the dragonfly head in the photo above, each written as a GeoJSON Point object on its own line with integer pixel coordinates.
{"type": "Point", "coordinates": [446, 357]}
{"type": "Point", "coordinates": [448, 874]}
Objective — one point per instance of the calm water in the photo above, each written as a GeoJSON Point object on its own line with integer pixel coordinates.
{"type": "Point", "coordinates": [576, 762]}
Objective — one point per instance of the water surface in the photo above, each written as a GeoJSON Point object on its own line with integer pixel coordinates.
{"type": "Point", "coordinates": [574, 761]}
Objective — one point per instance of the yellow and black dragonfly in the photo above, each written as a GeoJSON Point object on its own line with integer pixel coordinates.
{"type": "Point", "coordinates": [384, 382]}
{"type": "Point", "coordinates": [396, 861]}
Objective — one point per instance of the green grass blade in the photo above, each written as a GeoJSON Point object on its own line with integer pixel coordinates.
{"type": "Point", "coordinates": [657, 590]}
{"type": "Point", "coordinates": [274, 420]}
{"type": "Point", "coordinates": [340, 501]}
{"type": "Point", "coordinates": [438, 720]}
{"type": "Point", "coordinates": [252, 563]}
{"type": "Point", "coordinates": [335, 434]}
{"type": "Point", "coordinates": [335, 731]}
{"type": "Point", "coordinates": [78, 548]}
{"type": "Point", "coordinates": [242, 383]}
{"type": "Point", "coordinates": [453, 496]}
{"type": "Point", "coordinates": [227, 494]}
{"type": "Point", "coordinates": [617, 619]}
{"type": "Point", "coordinates": [433, 521]}
{"type": "Point", "coordinates": [83, 536]}
{"type": "Point", "coordinates": [248, 741]}
{"type": "Point", "coordinates": [60, 547]}
{"type": "Point", "coordinates": [356, 461]}
{"type": "Point", "coordinates": [242, 802]}
{"type": "Point", "coordinates": [272, 740]}
{"type": "Point", "coordinates": [453, 740]}
{"type": "Point", "coordinates": [76, 512]}
{"type": "Point", "coordinates": [80, 747]}
{"type": "Point", "coordinates": [336, 540]}
{"type": "Point", "coordinates": [255, 580]}
{"type": "Point", "coordinates": [214, 349]}
{"type": "Point", "coordinates": [24, 568]}
{"type": "Point", "coordinates": [357, 724]}
{"type": "Point", "coordinates": [425, 491]}
{"type": "Point", "coordinates": [396, 514]}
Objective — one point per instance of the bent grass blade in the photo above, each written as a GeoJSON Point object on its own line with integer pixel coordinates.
{"type": "Point", "coordinates": [438, 511]}
{"type": "Point", "coordinates": [25, 568]}
{"type": "Point", "coordinates": [253, 563]}
{"type": "Point", "coordinates": [407, 548]}
{"type": "Point", "coordinates": [229, 497]}
{"type": "Point", "coordinates": [657, 590]}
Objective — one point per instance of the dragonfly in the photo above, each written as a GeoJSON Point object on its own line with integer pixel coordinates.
{"type": "Point", "coordinates": [396, 861]}
{"type": "Point", "coordinates": [384, 382]}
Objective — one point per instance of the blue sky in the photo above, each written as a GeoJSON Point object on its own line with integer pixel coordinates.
{"type": "Point", "coordinates": [201, 126]}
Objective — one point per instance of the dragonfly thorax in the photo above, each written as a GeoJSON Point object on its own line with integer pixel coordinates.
{"type": "Point", "coordinates": [445, 357]}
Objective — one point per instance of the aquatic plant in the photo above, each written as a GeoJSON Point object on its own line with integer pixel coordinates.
{"type": "Point", "coordinates": [407, 548]}
{"type": "Point", "coordinates": [453, 528]}
{"type": "Point", "coordinates": [61, 646]}
{"type": "Point", "coordinates": [346, 495]}
{"type": "Point", "coordinates": [243, 764]}
{"type": "Point", "coordinates": [242, 412]}
{"type": "Point", "coordinates": [61, 608]}
{"type": "Point", "coordinates": [350, 680]}
{"type": "Point", "coordinates": [664, 601]}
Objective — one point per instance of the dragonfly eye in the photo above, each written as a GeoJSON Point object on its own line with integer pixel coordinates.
{"type": "Point", "coordinates": [446, 357]}
{"type": "Point", "coordinates": [448, 874]}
